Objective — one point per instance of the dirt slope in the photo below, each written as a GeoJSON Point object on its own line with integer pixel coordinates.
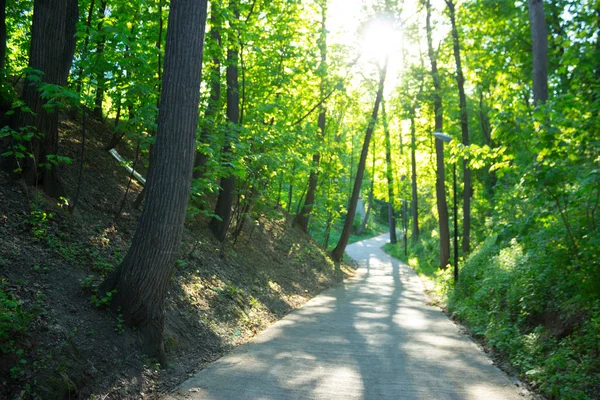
{"type": "Point", "coordinates": [58, 343]}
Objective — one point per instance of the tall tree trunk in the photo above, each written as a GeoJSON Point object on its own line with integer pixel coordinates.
{"type": "Point", "coordinates": [464, 127]}
{"type": "Point", "coordinates": [142, 279]}
{"type": "Point", "coordinates": [51, 51]}
{"type": "Point", "coordinates": [415, 194]}
{"type": "Point", "coordinates": [338, 253]}
{"type": "Point", "coordinates": [119, 134]}
{"type": "Point", "coordinates": [486, 130]}
{"type": "Point", "coordinates": [2, 34]}
{"type": "Point", "coordinates": [213, 106]}
{"type": "Point", "coordinates": [290, 194]}
{"type": "Point", "coordinates": [365, 220]}
{"type": "Point", "coordinates": [220, 223]}
{"type": "Point", "coordinates": [440, 189]}
{"type": "Point", "coordinates": [390, 175]}
{"type": "Point", "coordinates": [303, 216]}
{"type": "Point", "coordinates": [100, 80]}
{"type": "Point", "coordinates": [539, 46]}
{"type": "Point", "coordinates": [86, 42]}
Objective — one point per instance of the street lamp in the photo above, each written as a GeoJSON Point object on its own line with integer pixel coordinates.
{"type": "Point", "coordinates": [446, 139]}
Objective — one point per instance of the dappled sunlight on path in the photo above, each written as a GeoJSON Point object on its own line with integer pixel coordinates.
{"type": "Point", "coordinates": [372, 337]}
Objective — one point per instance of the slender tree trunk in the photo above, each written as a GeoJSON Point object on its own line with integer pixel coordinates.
{"type": "Point", "coordinates": [415, 194]}
{"type": "Point", "coordinates": [303, 216]}
{"type": "Point", "coordinates": [278, 202]}
{"type": "Point", "coordinates": [365, 220]}
{"type": "Point", "coordinates": [327, 230]}
{"type": "Point", "coordinates": [338, 253]}
{"type": "Point", "coordinates": [142, 279]}
{"type": "Point", "coordinates": [220, 223]}
{"type": "Point", "coordinates": [213, 106]}
{"type": "Point", "coordinates": [99, 54]}
{"type": "Point", "coordinates": [119, 134]}
{"type": "Point", "coordinates": [539, 45]}
{"type": "Point", "coordinates": [51, 51]}
{"type": "Point", "coordinates": [487, 136]}
{"type": "Point", "coordinates": [291, 190]}
{"type": "Point", "coordinates": [440, 189]}
{"type": "Point", "coordinates": [86, 42]}
{"type": "Point", "coordinates": [390, 175]}
{"type": "Point", "coordinates": [464, 126]}
{"type": "Point", "coordinates": [2, 34]}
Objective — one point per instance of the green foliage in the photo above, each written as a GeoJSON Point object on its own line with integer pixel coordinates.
{"type": "Point", "coordinates": [19, 144]}
{"type": "Point", "coordinates": [529, 301]}
{"type": "Point", "coordinates": [104, 301]}
{"type": "Point", "coordinates": [14, 320]}
{"type": "Point", "coordinates": [120, 325]}
{"type": "Point", "coordinates": [39, 219]}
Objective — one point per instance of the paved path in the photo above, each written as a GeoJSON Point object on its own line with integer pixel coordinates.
{"type": "Point", "coordinates": [372, 337]}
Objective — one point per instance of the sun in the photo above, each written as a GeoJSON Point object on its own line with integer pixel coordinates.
{"type": "Point", "coordinates": [379, 40]}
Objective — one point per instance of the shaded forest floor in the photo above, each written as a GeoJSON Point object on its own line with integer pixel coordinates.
{"type": "Point", "coordinates": [56, 338]}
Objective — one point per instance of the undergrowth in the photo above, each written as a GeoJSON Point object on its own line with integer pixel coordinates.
{"type": "Point", "coordinates": [531, 299]}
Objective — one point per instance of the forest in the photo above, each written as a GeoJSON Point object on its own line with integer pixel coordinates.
{"type": "Point", "coordinates": [257, 139]}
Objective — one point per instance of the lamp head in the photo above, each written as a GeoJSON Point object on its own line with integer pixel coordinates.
{"type": "Point", "coordinates": [442, 136]}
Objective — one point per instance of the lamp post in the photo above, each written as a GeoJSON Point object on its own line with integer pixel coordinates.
{"type": "Point", "coordinates": [447, 138]}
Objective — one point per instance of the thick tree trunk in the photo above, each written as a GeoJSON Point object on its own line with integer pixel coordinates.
{"type": "Point", "coordinates": [539, 45]}
{"type": "Point", "coordinates": [338, 253]}
{"type": "Point", "coordinates": [2, 34]}
{"type": "Point", "coordinates": [464, 126]}
{"type": "Point", "coordinates": [390, 175]}
{"type": "Point", "coordinates": [142, 279]}
{"type": "Point", "coordinates": [99, 54]}
{"type": "Point", "coordinates": [51, 51]}
{"type": "Point", "coordinates": [415, 194]}
{"type": "Point", "coordinates": [220, 223]}
{"type": "Point", "coordinates": [440, 189]}
{"type": "Point", "coordinates": [213, 106]}
{"type": "Point", "coordinates": [303, 216]}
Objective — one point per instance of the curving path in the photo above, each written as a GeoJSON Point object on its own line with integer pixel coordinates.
{"type": "Point", "coordinates": [372, 337]}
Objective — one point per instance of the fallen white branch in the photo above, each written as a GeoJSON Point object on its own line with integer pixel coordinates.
{"type": "Point", "coordinates": [136, 175]}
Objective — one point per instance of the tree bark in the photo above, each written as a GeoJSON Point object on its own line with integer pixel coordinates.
{"type": "Point", "coordinates": [365, 220]}
{"type": "Point", "coordinates": [213, 106]}
{"type": "Point", "coordinates": [99, 54]}
{"type": "Point", "coordinates": [440, 189]}
{"type": "Point", "coordinates": [338, 253]}
{"type": "Point", "coordinates": [539, 46]}
{"type": "Point", "coordinates": [464, 127]}
{"type": "Point", "coordinates": [390, 175]}
{"type": "Point", "coordinates": [86, 42]}
{"type": "Point", "coordinates": [220, 223]}
{"type": "Point", "coordinates": [2, 34]}
{"type": "Point", "coordinates": [302, 218]}
{"type": "Point", "coordinates": [142, 279]}
{"type": "Point", "coordinates": [415, 194]}
{"type": "Point", "coordinates": [51, 51]}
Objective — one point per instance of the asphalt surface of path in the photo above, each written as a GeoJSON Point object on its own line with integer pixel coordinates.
{"type": "Point", "coordinates": [372, 337]}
